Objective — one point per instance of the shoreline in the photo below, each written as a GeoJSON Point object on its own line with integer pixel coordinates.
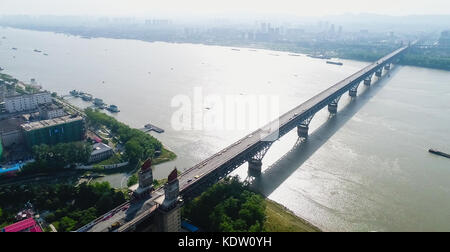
{"type": "Point", "coordinates": [297, 223]}
{"type": "Point", "coordinates": [271, 46]}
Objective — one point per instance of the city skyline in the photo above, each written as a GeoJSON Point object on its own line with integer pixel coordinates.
{"type": "Point", "coordinates": [196, 8]}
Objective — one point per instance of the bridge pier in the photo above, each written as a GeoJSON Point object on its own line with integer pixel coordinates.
{"type": "Point", "coordinates": [354, 90]}
{"type": "Point", "coordinates": [387, 67]}
{"type": "Point", "coordinates": [368, 81]}
{"type": "Point", "coordinates": [332, 108]}
{"type": "Point", "coordinates": [302, 131]}
{"type": "Point", "coordinates": [379, 73]}
{"type": "Point", "coordinates": [254, 167]}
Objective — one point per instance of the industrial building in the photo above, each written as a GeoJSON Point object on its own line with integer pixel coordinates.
{"type": "Point", "coordinates": [57, 130]}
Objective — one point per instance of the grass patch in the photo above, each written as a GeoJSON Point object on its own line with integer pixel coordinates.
{"type": "Point", "coordinates": [280, 219]}
{"type": "Point", "coordinates": [166, 155]}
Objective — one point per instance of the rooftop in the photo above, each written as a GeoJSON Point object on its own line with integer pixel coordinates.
{"type": "Point", "coordinates": [100, 148]}
{"type": "Point", "coordinates": [11, 124]}
{"type": "Point", "coordinates": [18, 95]}
{"type": "Point", "coordinates": [49, 123]}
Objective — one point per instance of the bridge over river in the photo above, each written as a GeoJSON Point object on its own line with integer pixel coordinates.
{"type": "Point", "coordinates": [251, 148]}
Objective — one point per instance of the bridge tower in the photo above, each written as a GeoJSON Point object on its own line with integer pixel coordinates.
{"type": "Point", "coordinates": [145, 180]}
{"type": "Point", "coordinates": [255, 162]}
{"type": "Point", "coordinates": [170, 217]}
{"type": "Point", "coordinates": [303, 128]}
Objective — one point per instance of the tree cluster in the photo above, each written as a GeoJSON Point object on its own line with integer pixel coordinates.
{"type": "Point", "coordinates": [70, 207]}
{"type": "Point", "coordinates": [138, 145]}
{"type": "Point", "coordinates": [59, 156]}
{"type": "Point", "coordinates": [227, 207]}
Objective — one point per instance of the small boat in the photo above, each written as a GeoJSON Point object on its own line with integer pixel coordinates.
{"type": "Point", "coordinates": [98, 102]}
{"type": "Point", "coordinates": [335, 63]}
{"type": "Point", "coordinates": [15, 49]}
{"type": "Point", "coordinates": [74, 93]}
{"type": "Point", "coordinates": [1, 69]}
{"type": "Point", "coordinates": [294, 54]}
{"type": "Point", "coordinates": [86, 97]}
{"type": "Point", "coordinates": [38, 51]}
{"type": "Point", "coordinates": [45, 54]}
{"type": "Point", "coordinates": [234, 49]}
{"type": "Point", "coordinates": [113, 108]}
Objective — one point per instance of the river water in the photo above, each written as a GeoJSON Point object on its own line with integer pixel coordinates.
{"type": "Point", "coordinates": [365, 169]}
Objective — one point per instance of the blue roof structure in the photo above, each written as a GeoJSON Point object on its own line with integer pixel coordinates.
{"type": "Point", "coordinates": [189, 227]}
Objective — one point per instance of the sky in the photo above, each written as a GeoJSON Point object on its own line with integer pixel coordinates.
{"type": "Point", "coordinates": [211, 7]}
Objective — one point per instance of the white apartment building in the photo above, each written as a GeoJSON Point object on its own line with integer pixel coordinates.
{"type": "Point", "coordinates": [26, 102]}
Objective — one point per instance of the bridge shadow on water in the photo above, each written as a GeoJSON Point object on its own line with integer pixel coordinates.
{"type": "Point", "coordinates": [283, 168]}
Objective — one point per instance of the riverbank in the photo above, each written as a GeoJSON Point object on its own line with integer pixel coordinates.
{"type": "Point", "coordinates": [281, 219]}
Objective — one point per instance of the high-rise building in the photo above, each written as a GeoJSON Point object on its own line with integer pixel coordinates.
{"type": "Point", "coordinates": [25, 102]}
{"type": "Point", "coordinates": [58, 130]}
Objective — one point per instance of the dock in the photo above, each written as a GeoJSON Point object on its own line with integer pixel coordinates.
{"type": "Point", "coordinates": [151, 127]}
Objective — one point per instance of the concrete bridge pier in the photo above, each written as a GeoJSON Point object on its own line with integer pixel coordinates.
{"type": "Point", "coordinates": [302, 131]}
{"type": "Point", "coordinates": [332, 108]}
{"type": "Point", "coordinates": [353, 92]}
{"type": "Point", "coordinates": [368, 81]}
{"type": "Point", "coordinates": [379, 73]}
{"type": "Point", "coordinates": [387, 67]}
{"type": "Point", "coordinates": [254, 167]}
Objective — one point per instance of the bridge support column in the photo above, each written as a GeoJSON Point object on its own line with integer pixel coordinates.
{"type": "Point", "coordinates": [379, 72]}
{"type": "Point", "coordinates": [368, 81]}
{"type": "Point", "coordinates": [254, 167]}
{"type": "Point", "coordinates": [332, 108]}
{"type": "Point", "coordinates": [387, 67]}
{"type": "Point", "coordinates": [255, 162]}
{"type": "Point", "coordinates": [354, 90]}
{"type": "Point", "coordinates": [302, 131]}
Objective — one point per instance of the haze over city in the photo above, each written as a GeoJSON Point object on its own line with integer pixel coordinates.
{"type": "Point", "coordinates": [214, 7]}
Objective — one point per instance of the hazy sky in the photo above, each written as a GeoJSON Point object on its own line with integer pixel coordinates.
{"type": "Point", "coordinates": [208, 7]}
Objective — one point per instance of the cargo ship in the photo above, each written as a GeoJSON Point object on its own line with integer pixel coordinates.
{"type": "Point", "coordinates": [439, 153]}
{"type": "Point", "coordinates": [335, 63]}
{"type": "Point", "coordinates": [318, 56]}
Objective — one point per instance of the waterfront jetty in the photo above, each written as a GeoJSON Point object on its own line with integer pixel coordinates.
{"type": "Point", "coordinates": [151, 127]}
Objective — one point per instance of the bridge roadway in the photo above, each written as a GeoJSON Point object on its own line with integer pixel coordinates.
{"type": "Point", "coordinates": [209, 171]}
{"type": "Point", "coordinates": [253, 142]}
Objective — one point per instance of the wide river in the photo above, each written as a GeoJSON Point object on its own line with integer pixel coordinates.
{"type": "Point", "coordinates": [365, 169]}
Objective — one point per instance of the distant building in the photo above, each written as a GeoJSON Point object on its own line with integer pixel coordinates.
{"type": "Point", "coordinates": [100, 152]}
{"type": "Point", "coordinates": [50, 111]}
{"type": "Point", "coordinates": [58, 130]}
{"type": "Point", "coordinates": [26, 102]}
{"type": "Point", "coordinates": [445, 38]}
